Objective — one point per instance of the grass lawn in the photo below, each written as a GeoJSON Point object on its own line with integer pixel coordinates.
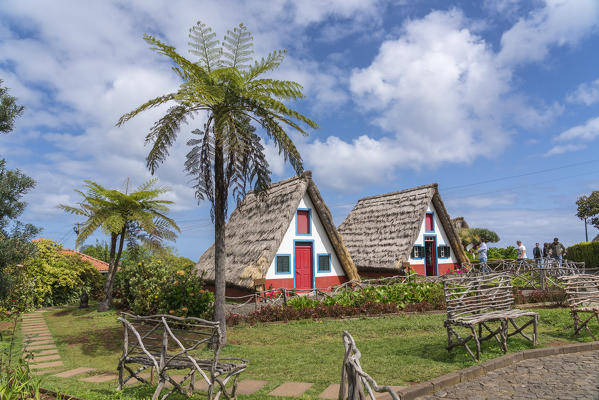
{"type": "Point", "coordinates": [396, 350]}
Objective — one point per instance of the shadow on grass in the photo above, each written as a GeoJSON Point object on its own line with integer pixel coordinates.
{"type": "Point", "coordinates": [97, 341]}
{"type": "Point", "coordinates": [73, 311]}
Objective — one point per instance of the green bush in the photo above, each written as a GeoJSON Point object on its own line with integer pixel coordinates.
{"type": "Point", "coordinates": [498, 253]}
{"type": "Point", "coordinates": [161, 287]}
{"type": "Point", "coordinates": [587, 252]}
{"type": "Point", "coordinates": [57, 278]}
{"type": "Point", "coordinates": [400, 294]}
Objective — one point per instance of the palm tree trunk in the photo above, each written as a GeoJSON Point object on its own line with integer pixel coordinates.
{"type": "Point", "coordinates": [220, 198]}
{"type": "Point", "coordinates": [113, 267]}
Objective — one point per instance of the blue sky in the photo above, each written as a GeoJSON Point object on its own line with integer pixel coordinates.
{"type": "Point", "coordinates": [497, 101]}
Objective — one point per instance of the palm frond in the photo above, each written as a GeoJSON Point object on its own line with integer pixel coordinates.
{"type": "Point", "coordinates": [157, 101]}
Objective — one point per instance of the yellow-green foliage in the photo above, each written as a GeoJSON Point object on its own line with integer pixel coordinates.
{"type": "Point", "coordinates": [585, 251]}
{"type": "Point", "coordinates": [58, 278]}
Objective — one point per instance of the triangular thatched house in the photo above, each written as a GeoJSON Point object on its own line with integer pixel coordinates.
{"type": "Point", "coordinates": [288, 240]}
{"type": "Point", "coordinates": [387, 233]}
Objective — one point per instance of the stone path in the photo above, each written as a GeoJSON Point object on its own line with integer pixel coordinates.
{"type": "Point", "coordinates": [38, 341]}
{"type": "Point", "coordinates": [565, 376]}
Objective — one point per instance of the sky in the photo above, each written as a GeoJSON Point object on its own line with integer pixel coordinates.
{"type": "Point", "coordinates": [497, 101]}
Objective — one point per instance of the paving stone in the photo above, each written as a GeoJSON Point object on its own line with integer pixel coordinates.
{"type": "Point", "coordinates": [557, 374]}
{"type": "Point", "coordinates": [40, 347]}
{"type": "Point", "coordinates": [249, 386]}
{"type": "Point", "coordinates": [46, 352]}
{"type": "Point", "coordinates": [387, 396]}
{"type": "Point", "coordinates": [291, 389]}
{"type": "Point", "coordinates": [331, 392]}
{"type": "Point", "coordinates": [33, 326]}
{"type": "Point", "coordinates": [45, 358]}
{"type": "Point", "coordinates": [46, 365]}
{"type": "Point", "coordinates": [100, 378]}
{"type": "Point", "coordinates": [38, 342]}
{"type": "Point", "coordinates": [44, 371]}
{"type": "Point", "coordinates": [74, 372]}
{"type": "Point", "coordinates": [133, 381]}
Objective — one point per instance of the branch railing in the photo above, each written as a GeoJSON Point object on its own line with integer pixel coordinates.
{"type": "Point", "coordinates": [526, 274]}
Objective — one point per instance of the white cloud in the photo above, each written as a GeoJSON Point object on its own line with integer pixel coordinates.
{"type": "Point", "coordinates": [437, 89]}
{"type": "Point", "coordinates": [578, 136]}
{"type": "Point", "coordinates": [79, 66]}
{"type": "Point", "coordinates": [585, 93]}
{"type": "Point", "coordinates": [482, 201]}
{"type": "Point", "coordinates": [564, 148]}
{"type": "Point", "coordinates": [558, 23]}
{"type": "Point", "coordinates": [528, 225]}
{"type": "Point", "coordinates": [586, 132]}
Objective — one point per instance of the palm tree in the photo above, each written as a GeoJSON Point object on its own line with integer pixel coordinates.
{"type": "Point", "coordinates": [230, 90]}
{"type": "Point", "coordinates": [122, 215]}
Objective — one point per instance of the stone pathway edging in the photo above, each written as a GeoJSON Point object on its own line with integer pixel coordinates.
{"type": "Point", "coordinates": [468, 374]}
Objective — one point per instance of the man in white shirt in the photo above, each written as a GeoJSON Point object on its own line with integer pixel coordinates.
{"type": "Point", "coordinates": [521, 252]}
{"type": "Point", "coordinates": [482, 257]}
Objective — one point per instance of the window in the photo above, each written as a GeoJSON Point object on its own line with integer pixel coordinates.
{"type": "Point", "coordinates": [324, 263]}
{"type": "Point", "coordinates": [444, 251]}
{"type": "Point", "coordinates": [430, 226]}
{"type": "Point", "coordinates": [418, 252]}
{"type": "Point", "coordinates": [282, 264]}
{"type": "Point", "coordinates": [303, 222]}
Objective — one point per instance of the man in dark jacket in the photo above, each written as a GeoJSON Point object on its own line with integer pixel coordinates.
{"type": "Point", "coordinates": [557, 251]}
{"type": "Point", "coordinates": [538, 256]}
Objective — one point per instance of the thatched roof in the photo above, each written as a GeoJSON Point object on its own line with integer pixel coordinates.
{"type": "Point", "coordinates": [256, 228]}
{"type": "Point", "coordinates": [381, 230]}
{"type": "Point", "coordinates": [459, 223]}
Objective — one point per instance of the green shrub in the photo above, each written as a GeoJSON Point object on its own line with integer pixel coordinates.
{"type": "Point", "coordinates": [160, 287]}
{"type": "Point", "coordinates": [587, 252]}
{"type": "Point", "coordinates": [399, 294]}
{"type": "Point", "coordinates": [57, 278]}
{"type": "Point", "coordinates": [498, 253]}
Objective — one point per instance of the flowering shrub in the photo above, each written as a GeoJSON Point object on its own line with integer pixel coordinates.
{"type": "Point", "coordinates": [158, 287]}
{"type": "Point", "coordinates": [56, 278]}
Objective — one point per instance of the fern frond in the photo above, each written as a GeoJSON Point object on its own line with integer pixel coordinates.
{"type": "Point", "coordinates": [237, 48]}
{"type": "Point", "coordinates": [163, 135]}
{"type": "Point", "coordinates": [204, 44]}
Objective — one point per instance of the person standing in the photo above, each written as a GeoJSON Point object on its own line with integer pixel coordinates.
{"type": "Point", "coordinates": [521, 254]}
{"type": "Point", "coordinates": [482, 257]}
{"type": "Point", "coordinates": [538, 256]}
{"type": "Point", "coordinates": [557, 251]}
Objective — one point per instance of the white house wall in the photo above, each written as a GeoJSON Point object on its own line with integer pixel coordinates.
{"type": "Point", "coordinates": [321, 245]}
{"type": "Point", "coordinates": [439, 233]}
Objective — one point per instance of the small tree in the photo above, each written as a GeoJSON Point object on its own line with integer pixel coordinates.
{"type": "Point", "coordinates": [137, 215]}
{"type": "Point", "coordinates": [9, 110]}
{"type": "Point", "coordinates": [588, 209]}
{"type": "Point", "coordinates": [475, 235]}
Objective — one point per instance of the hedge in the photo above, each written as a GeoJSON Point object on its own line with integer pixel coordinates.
{"type": "Point", "coordinates": [586, 251]}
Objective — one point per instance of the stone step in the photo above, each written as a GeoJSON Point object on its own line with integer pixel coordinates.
{"type": "Point", "coordinates": [74, 372]}
{"type": "Point", "coordinates": [291, 389]}
{"type": "Point", "coordinates": [51, 364]}
{"type": "Point", "coordinates": [40, 347]}
{"type": "Point", "coordinates": [100, 378]}
{"type": "Point", "coordinates": [45, 358]}
{"type": "Point", "coordinates": [331, 392]}
{"type": "Point", "coordinates": [250, 386]}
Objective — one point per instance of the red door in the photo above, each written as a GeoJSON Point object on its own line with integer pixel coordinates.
{"type": "Point", "coordinates": [303, 266]}
{"type": "Point", "coordinates": [430, 255]}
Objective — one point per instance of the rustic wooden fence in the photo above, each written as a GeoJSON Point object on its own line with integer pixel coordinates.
{"type": "Point", "coordinates": [525, 275]}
